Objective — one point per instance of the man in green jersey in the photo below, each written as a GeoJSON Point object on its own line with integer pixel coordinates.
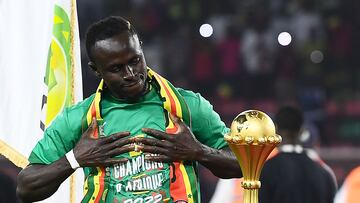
{"type": "Point", "coordinates": [138, 139]}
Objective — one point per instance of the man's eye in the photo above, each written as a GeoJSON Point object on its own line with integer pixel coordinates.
{"type": "Point", "coordinates": [115, 69]}
{"type": "Point", "coordinates": [135, 61]}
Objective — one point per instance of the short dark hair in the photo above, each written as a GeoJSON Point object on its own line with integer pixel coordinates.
{"type": "Point", "coordinates": [106, 28]}
{"type": "Point", "coordinates": [289, 118]}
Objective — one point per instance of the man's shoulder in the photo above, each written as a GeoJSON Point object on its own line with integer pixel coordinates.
{"type": "Point", "coordinates": [185, 92]}
{"type": "Point", "coordinates": [288, 160]}
{"type": "Point", "coordinates": [195, 101]}
{"type": "Point", "coordinates": [293, 160]}
{"type": "Point", "coordinates": [190, 95]}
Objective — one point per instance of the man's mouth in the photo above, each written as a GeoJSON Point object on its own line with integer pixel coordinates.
{"type": "Point", "coordinates": [132, 84]}
{"type": "Point", "coordinates": [139, 80]}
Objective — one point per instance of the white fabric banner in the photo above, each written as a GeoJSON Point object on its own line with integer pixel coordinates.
{"type": "Point", "coordinates": [26, 33]}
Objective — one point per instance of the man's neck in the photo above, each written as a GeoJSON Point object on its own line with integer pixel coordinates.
{"type": "Point", "coordinates": [288, 138]}
{"type": "Point", "coordinates": [288, 148]}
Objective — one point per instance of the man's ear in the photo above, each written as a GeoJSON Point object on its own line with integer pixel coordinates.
{"type": "Point", "coordinates": [93, 68]}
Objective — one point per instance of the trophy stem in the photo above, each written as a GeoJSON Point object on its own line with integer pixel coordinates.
{"type": "Point", "coordinates": [251, 195]}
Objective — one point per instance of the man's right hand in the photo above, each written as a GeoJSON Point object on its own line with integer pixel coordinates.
{"type": "Point", "coordinates": [91, 151]}
{"type": "Point", "coordinates": [39, 181]}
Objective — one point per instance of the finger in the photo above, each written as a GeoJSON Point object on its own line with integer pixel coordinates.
{"type": "Point", "coordinates": [156, 133]}
{"type": "Point", "coordinates": [177, 122]}
{"type": "Point", "coordinates": [153, 149]}
{"type": "Point", "coordinates": [114, 137]}
{"type": "Point", "coordinates": [120, 150]}
{"type": "Point", "coordinates": [92, 127]}
{"type": "Point", "coordinates": [174, 118]}
{"type": "Point", "coordinates": [120, 143]}
{"type": "Point", "coordinates": [152, 142]}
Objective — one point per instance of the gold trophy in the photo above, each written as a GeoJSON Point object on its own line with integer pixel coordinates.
{"type": "Point", "coordinates": [252, 137]}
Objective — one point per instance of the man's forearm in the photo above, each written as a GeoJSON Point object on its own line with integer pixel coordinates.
{"type": "Point", "coordinates": [37, 182]}
{"type": "Point", "coordinates": [221, 163]}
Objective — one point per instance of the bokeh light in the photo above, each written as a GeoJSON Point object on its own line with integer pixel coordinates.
{"type": "Point", "coordinates": [316, 56]}
{"type": "Point", "coordinates": [206, 30]}
{"type": "Point", "coordinates": [284, 38]}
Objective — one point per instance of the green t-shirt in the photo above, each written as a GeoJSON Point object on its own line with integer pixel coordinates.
{"type": "Point", "coordinates": [137, 180]}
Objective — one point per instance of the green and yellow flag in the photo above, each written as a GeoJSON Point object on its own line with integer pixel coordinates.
{"type": "Point", "coordinates": [40, 76]}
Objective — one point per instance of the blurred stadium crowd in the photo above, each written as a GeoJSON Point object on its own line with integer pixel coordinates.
{"type": "Point", "coordinates": [242, 65]}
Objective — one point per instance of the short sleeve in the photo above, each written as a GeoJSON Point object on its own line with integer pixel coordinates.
{"type": "Point", "coordinates": [207, 126]}
{"type": "Point", "coordinates": [58, 139]}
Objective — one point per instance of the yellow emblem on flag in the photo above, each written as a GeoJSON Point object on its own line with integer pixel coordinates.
{"type": "Point", "coordinates": [58, 71]}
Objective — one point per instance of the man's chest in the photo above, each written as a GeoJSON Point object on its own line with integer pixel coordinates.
{"type": "Point", "coordinates": [133, 118]}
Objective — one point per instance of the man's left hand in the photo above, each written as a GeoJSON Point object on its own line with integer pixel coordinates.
{"type": "Point", "coordinates": [180, 146]}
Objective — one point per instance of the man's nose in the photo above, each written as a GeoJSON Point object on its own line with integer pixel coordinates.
{"type": "Point", "coordinates": [129, 73]}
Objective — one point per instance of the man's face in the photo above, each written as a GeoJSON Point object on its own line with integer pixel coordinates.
{"type": "Point", "coordinates": [120, 62]}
